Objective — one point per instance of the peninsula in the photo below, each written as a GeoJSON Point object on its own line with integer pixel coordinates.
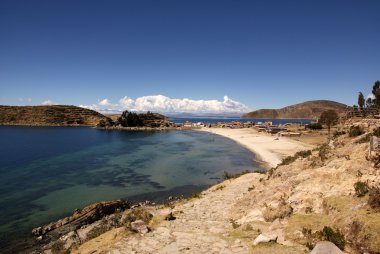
{"type": "Point", "coordinates": [52, 115]}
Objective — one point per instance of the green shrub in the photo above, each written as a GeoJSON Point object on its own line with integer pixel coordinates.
{"type": "Point", "coordinates": [137, 214]}
{"type": "Point", "coordinates": [195, 195]}
{"type": "Point", "coordinates": [339, 133]}
{"type": "Point", "coordinates": [376, 132]}
{"type": "Point", "coordinates": [314, 126]}
{"type": "Point", "coordinates": [355, 131]}
{"type": "Point", "coordinates": [283, 210]}
{"type": "Point", "coordinates": [97, 231]}
{"type": "Point", "coordinates": [361, 188]}
{"type": "Point", "coordinates": [57, 247]}
{"type": "Point", "coordinates": [335, 237]}
{"type": "Point", "coordinates": [323, 151]}
{"type": "Point", "coordinates": [303, 154]}
{"type": "Point", "coordinates": [374, 198]}
{"type": "Point", "coordinates": [290, 159]}
{"type": "Point", "coordinates": [227, 175]}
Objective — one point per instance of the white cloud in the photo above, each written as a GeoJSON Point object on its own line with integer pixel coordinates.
{"type": "Point", "coordinates": [104, 102]}
{"type": "Point", "coordinates": [371, 95]}
{"type": "Point", "coordinates": [164, 104]}
{"type": "Point", "coordinates": [48, 102]}
{"type": "Point", "coordinates": [25, 99]}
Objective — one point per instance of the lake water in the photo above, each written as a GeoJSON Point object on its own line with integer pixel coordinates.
{"type": "Point", "coordinates": [47, 172]}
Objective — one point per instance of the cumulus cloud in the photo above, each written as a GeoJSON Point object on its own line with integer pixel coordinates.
{"type": "Point", "coordinates": [164, 104]}
{"type": "Point", "coordinates": [48, 102]}
{"type": "Point", "coordinates": [104, 102]}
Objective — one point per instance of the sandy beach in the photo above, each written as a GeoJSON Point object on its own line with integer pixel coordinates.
{"type": "Point", "coordinates": [269, 148]}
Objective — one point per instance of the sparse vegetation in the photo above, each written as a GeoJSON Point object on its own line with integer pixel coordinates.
{"type": "Point", "coordinates": [57, 247]}
{"type": "Point", "coordinates": [195, 195]}
{"type": "Point", "coordinates": [220, 187]}
{"type": "Point", "coordinates": [283, 210]}
{"type": "Point", "coordinates": [323, 151]}
{"type": "Point", "coordinates": [361, 188]}
{"type": "Point", "coordinates": [227, 175]}
{"type": "Point", "coordinates": [326, 234]}
{"type": "Point", "coordinates": [338, 134]}
{"type": "Point", "coordinates": [334, 236]}
{"type": "Point", "coordinates": [289, 159]}
{"type": "Point", "coordinates": [376, 132]}
{"type": "Point", "coordinates": [374, 198]}
{"type": "Point", "coordinates": [97, 231]}
{"type": "Point", "coordinates": [235, 225]}
{"type": "Point", "coordinates": [139, 213]}
{"type": "Point", "coordinates": [308, 210]}
{"type": "Point", "coordinates": [314, 126]}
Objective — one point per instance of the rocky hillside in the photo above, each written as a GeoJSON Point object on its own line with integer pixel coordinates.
{"type": "Point", "coordinates": [56, 115]}
{"type": "Point", "coordinates": [305, 110]}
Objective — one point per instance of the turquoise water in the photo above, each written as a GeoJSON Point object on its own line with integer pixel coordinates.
{"type": "Point", "coordinates": [45, 173]}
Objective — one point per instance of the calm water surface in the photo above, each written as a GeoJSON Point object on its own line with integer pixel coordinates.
{"type": "Point", "coordinates": [47, 172]}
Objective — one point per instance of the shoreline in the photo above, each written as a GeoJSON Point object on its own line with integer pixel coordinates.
{"type": "Point", "coordinates": [269, 149]}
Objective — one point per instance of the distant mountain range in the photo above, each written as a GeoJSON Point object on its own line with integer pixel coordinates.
{"type": "Point", "coordinates": [57, 115]}
{"type": "Point", "coordinates": [304, 110]}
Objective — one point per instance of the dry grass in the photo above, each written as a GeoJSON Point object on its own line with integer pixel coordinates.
{"type": "Point", "coordinates": [102, 243]}
{"type": "Point", "coordinates": [274, 248]}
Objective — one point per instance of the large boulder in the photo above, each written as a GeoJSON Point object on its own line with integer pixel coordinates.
{"type": "Point", "coordinates": [326, 247]}
{"type": "Point", "coordinates": [87, 215]}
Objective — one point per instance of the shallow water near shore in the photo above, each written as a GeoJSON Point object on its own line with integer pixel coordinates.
{"type": "Point", "coordinates": [47, 172]}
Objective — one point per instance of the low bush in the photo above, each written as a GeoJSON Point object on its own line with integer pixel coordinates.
{"type": "Point", "coordinates": [137, 214]}
{"type": "Point", "coordinates": [374, 198]}
{"type": "Point", "coordinates": [355, 131]}
{"type": "Point", "coordinates": [283, 210]}
{"type": "Point", "coordinates": [338, 134]}
{"type": "Point", "coordinates": [290, 159]}
{"type": "Point", "coordinates": [57, 247]}
{"type": "Point", "coordinates": [97, 231]}
{"type": "Point", "coordinates": [376, 132]}
{"type": "Point", "coordinates": [323, 151]}
{"type": "Point", "coordinates": [361, 188]}
{"type": "Point", "coordinates": [227, 175]}
{"type": "Point", "coordinates": [328, 234]}
{"type": "Point", "coordinates": [303, 154]}
{"type": "Point", "coordinates": [314, 126]}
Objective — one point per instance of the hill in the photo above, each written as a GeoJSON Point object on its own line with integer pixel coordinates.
{"type": "Point", "coordinates": [305, 110]}
{"type": "Point", "coordinates": [56, 115]}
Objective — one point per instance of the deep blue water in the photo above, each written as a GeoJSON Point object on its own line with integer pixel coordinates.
{"type": "Point", "coordinates": [230, 119]}
{"type": "Point", "coordinates": [47, 172]}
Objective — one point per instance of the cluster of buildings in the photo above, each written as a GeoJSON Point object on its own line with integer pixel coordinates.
{"type": "Point", "coordinates": [268, 127]}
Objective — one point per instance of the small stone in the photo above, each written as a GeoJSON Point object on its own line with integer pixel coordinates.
{"type": "Point", "coordinates": [139, 226]}
{"type": "Point", "coordinates": [265, 238]}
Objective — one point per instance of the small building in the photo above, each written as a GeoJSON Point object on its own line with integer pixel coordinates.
{"type": "Point", "coordinates": [187, 124]}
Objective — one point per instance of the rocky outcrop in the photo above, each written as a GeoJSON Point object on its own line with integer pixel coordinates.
{"type": "Point", "coordinates": [82, 217]}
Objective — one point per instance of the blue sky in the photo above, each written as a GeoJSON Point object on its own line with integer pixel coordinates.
{"type": "Point", "coordinates": [263, 54]}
